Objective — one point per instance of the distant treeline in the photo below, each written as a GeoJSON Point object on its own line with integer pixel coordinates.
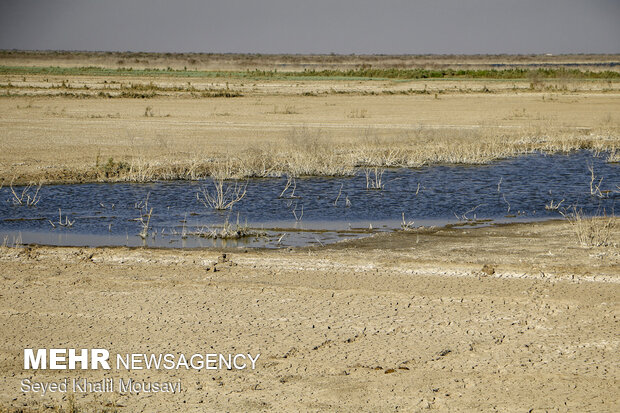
{"type": "Point", "coordinates": [363, 73]}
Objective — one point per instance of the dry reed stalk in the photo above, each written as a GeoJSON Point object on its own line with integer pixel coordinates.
{"type": "Point", "coordinates": [223, 196]}
{"type": "Point", "coordinates": [551, 206]}
{"type": "Point", "coordinates": [407, 225]}
{"type": "Point", "coordinates": [374, 178]}
{"type": "Point", "coordinates": [290, 180]}
{"type": "Point", "coordinates": [595, 189]}
{"type": "Point", "coordinates": [228, 230]}
{"type": "Point", "coordinates": [596, 231]}
{"type": "Point", "coordinates": [614, 156]}
{"type": "Point", "coordinates": [145, 212]}
{"type": "Point", "coordinates": [25, 198]}
{"type": "Point", "coordinates": [66, 223]}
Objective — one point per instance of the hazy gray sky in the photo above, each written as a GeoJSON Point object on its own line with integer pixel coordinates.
{"type": "Point", "coordinates": [313, 26]}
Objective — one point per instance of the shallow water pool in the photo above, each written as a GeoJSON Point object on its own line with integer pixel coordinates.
{"type": "Point", "coordinates": [320, 211]}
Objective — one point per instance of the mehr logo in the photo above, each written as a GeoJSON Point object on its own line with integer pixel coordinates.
{"type": "Point", "coordinates": [60, 360]}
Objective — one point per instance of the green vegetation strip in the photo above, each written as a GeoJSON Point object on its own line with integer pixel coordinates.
{"type": "Point", "coordinates": [361, 73]}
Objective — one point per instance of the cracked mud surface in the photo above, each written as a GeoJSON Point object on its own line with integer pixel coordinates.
{"type": "Point", "coordinates": [393, 322]}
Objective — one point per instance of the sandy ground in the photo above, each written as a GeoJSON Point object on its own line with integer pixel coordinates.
{"type": "Point", "coordinates": [39, 136]}
{"type": "Point", "coordinates": [395, 322]}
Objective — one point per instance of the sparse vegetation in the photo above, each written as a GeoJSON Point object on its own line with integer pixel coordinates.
{"type": "Point", "coordinates": [358, 114]}
{"type": "Point", "coordinates": [67, 223]}
{"type": "Point", "coordinates": [223, 195]}
{"type": "Point", "coordinates": [145, 216]}
{"type": "Point", "coordinates": [553, 206]}
{"type": "Point", "coordinates": [535, 76]}
{"type": "Point", "coordinates": [407, 225]}
{"type": "Point", "coordinates": [26, 197]}
{"type": "Point", "coordinates": [374, 178]}
{"type": "Point", "coordinates": [287, 110]}
{"type": "Point", "coordinates": [594, 231]}
{"type": "Point", "coordinates": [298, 216]}
{"type": "Point", "coordinates": [220, 93]}
{"type": "Point", "coordinates": [290, 181]}
{"type": "Point", "coordinates": [464, 217]}
{"type": "Point", "coordinates": [112, 168]}
{"type": "Point", "coordinates": [595, 188]}
{"type": "Point", "coordinates": [308, 153]}
{"type": "Point", "coordinates": [228, 230]}
{"type": "Point", "coordinates": [614, 156]}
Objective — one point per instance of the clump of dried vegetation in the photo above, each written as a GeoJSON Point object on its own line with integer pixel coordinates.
{"type": "Point", "coordinates": [594, 231]}
{"type": "Point", "coordinates": [407, 225]}
{"type": "Point", "coordinates": [29, 195]}
{"type": "Point", "coordinates": [553, 206]}
{"type": "Point", "coordinates": [374, 178]}
{"type": "Point", "coordinates": [222, 195]}
{"type": "Point", "coordinates": [145, 216]}
{"type": "Point", "coordinates": [613, 156]}
{"type": "Point", "coordinates": [228, 231]}
{"type": "Point", "coordinates": [66, 223]}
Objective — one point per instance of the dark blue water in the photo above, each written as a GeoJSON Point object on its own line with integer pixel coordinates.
{"type": "Point", "coordinates": [511, 189]}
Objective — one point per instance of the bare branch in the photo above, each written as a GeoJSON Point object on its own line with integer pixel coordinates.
{"type": "Point", "coordinates": [222, 196]}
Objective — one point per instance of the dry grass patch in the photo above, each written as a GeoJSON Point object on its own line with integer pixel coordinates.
{"type": "Point", "coordinates": [595, 231]}
{"type": "Point", "coordinates": [228, 231]}
{"type": "Point", "coordinates": [310, 152]}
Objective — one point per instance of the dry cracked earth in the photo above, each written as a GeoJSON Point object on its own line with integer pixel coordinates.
{"type": "Point", "coordinates": [503, 318]}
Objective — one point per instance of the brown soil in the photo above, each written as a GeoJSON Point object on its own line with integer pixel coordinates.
{"type": "Point", "coordinates": [510, 318]}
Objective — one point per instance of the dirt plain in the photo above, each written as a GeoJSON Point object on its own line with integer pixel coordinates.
{"type": "Point", "coordinates": [174, 124]}
{"type": "Point", "coordinates": [395, 322]}
{"type": "Point", "coordinates": [511, 318]}
{"type": "Point", "coordinates": [40, 134]}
